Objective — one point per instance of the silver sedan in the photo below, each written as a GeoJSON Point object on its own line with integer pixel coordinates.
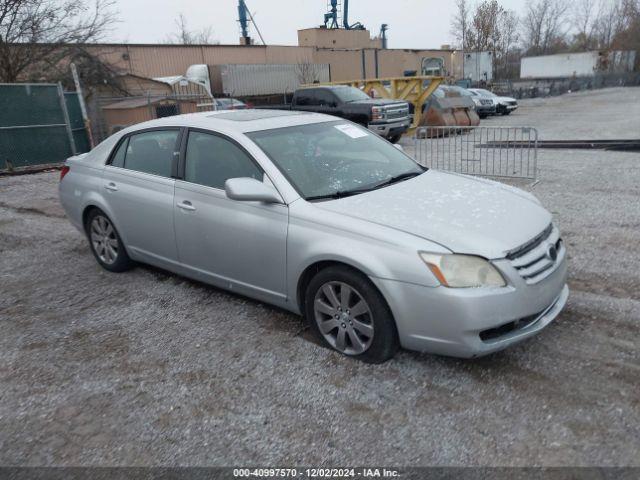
{"type": "Point", "coordinates": [326, 219]}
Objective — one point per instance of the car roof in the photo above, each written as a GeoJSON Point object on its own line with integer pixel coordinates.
{"type": "Point", "coordinates": [237, 121]}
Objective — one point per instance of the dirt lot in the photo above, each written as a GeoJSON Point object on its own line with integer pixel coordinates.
{"type": "Point", "coordinates": [147, 368]}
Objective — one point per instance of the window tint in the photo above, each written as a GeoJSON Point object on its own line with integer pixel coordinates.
{"type": "Point", "coordinates": [325, 98]}
{"type": "Point", "coordinates": [152, 152]}
{"type": "Point", "coordinates": [118, 158]}
{"type": "Point", "coordinates": [212, 160]}
{"type": "Point", "coordinates": [306, 97]}
{"type": "Point", "coordinates": [350, 94]}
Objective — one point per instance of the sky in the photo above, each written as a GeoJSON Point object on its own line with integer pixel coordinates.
{"type": "Point", "coordinates": [413, 23]}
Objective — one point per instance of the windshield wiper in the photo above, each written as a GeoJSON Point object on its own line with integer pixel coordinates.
{"type": "Point", "coordinates": [357, 191]}
{"type": "Point", "coordinates": [339, 194]}
{"type": "Point", "coordinates": [396, 179]}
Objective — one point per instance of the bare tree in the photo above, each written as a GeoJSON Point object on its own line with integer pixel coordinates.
{"type": "Point", "coordinates": [307, 72]}
{"type": "Point", "coordinates": [508, 25]}
{"type": "Point", "coordinates": [584, 20]}
{"type": "Point", "coordinates": [545, 26]}
{"type": "Point", "coordinates": [184, 36]}
{"type": "Point", "coordinates": [35, 31]}
{"type": "Point", "coordinates": [460, 22]}
{"type": "Point", "coordinates": [484, 31]}
{"type": "Point", "coordinates": [627, 30]}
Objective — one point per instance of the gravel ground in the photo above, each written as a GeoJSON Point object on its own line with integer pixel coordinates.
{"type": "Point", "coordinates": [147, 368]}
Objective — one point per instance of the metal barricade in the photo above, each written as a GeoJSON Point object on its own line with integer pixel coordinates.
{"type": "Point", "coordinates": [486, 151]}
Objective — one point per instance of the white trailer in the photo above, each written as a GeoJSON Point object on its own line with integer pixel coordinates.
{"type": "Point", "coordinates": [478, 66]}
{"type": "Point", "coordinates": [584, 64]}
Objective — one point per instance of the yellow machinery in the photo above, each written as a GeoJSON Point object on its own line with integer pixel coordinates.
{"type": "Point", "coordinates": [415, 90]}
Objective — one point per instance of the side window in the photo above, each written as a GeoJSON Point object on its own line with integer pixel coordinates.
{"type": "Point", "coordinates": [325, 98]}
{"type": "Point", "coordinates": [212, 160]}
{"type": "Point", "coordinates": [152, 152]}
{"type": "Point", "coordinates": [118, 158]}
{"type": "Point", "coordinates": [303, 98]}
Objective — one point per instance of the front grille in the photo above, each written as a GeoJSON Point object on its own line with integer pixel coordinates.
{"type": "Point", "coordinates": [535, 260]}
{"type": "Point", "coordinates": [397, 111]}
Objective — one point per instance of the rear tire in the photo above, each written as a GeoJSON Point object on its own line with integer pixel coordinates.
{"type": "Point", "coordinates": [105, 243]}
{"type": "Point", "coordinates": [348, 314]}
{"type": "Point", "coordinates": [395, 138]}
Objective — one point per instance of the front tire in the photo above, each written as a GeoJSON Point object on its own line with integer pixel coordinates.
{"type": "Point", "coordinates": [348, 313]}
{"type": "Point", "coordinates": [395, 138]}
{"type": "Point", "coordinates": [106, 244]}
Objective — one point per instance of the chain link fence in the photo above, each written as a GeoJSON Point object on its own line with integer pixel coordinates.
{"type": "Point", "coordinates": [502, 152]}
{"type": "Point", "coordinates": [40, 125]}
{"type": "Point", "coordinates": [559, 86]}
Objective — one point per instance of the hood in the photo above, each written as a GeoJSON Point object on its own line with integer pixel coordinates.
{"type": "Point", "coordinates": [464, 214]}
{"type": "Point", "coordinates": [379, 102]}
{"type": "Point", "coordinates": [506, 99]}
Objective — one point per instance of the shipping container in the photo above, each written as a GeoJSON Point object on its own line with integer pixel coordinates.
{"type": "Point", "coordinates": [252, 80]}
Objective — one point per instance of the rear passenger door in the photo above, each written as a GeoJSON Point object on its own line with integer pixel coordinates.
{"type": "Point", "coordinates": [327, 101]}
{"type": "Point", "coordinates": [139, 188]}
{"type": "Point", "coordinates": [306, 100]}
{"type": "Point", "coordinates": [236, 245]}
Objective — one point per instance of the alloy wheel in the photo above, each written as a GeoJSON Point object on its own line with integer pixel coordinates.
{"type": "Point", "coordinates": [343, 318]}
{"type": "Point", "coordinates": [104, 239]}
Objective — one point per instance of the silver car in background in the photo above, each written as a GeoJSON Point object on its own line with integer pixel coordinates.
{"type": "Point", "coordinates": [503, 105]}
{"type": "Point", "coordinates": [319, 216]}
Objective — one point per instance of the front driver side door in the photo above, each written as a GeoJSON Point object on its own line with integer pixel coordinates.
{"type": "Point", "coordinates": [236, 245]}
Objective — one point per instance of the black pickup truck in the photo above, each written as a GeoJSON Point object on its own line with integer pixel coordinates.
{"type": "Point", "coordinates": [387, 118]}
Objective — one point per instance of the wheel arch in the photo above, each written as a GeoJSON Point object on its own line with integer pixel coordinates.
{"type": "Point", "coordinates": [85, 213]}
{"type": "Point", "coordinates": [311, 270]}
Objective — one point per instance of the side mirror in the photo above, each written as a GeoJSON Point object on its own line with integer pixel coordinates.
{"type": "Point", "coordinates": [251, 190]}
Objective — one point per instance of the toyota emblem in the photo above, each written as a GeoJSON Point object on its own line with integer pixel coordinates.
{"type": "Point", "coordinates": [552, 253]}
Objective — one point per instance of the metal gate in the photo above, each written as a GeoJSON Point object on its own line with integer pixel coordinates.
{"type": "Point", "coordinates": [486, 151]}
{"type": "Point", "coordinates": [39, 125]}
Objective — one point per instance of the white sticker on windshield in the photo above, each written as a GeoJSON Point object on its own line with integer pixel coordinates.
{"type": "Point", "coordinates": [352, 131]}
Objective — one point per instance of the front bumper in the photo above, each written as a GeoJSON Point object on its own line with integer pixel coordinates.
{"type": "Point", "coordinates": [391, 128]}
{"type": "Point", "coordinates": [485, 109]}
{"type": "Point", "coordinates": [449, 321]}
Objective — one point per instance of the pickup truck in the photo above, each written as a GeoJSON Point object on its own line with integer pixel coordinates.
{"type": "Point", "coordinates": [388, 118]}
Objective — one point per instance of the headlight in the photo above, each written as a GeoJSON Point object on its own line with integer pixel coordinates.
{"type": "Point", "coordinates": [377, 113]}
{"type": "Point", "coordinates": [463, 271]}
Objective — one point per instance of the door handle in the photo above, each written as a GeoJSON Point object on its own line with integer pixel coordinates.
{"type": "Point", "coordinates": [186, 205]}
{"type": "Point", "coordinates": [111, 186]}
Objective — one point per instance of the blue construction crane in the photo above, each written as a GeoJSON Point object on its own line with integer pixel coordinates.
{"type": "Point", "coordinates": [243, 11]}
{"type": "Point", "coordinates": [242, 18]}
{"type": "Point", "coordinates": [383, 35]}
{"type": "Point", "coordinates": [331, 18]}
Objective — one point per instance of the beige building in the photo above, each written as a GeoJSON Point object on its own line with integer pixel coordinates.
{"type": "Point", "coordinates": [351, 54]}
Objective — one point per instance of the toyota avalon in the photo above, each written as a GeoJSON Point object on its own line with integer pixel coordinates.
{"type": "Point", "coordinates": [319, 216]}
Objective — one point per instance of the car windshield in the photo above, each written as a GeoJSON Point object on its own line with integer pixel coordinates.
{"type": "Point", "coordinates": [334, 159]}
{"type": "Point", "coordinates": [463, 92]}
{"type": "Point", "coordinates": [350, 94]}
